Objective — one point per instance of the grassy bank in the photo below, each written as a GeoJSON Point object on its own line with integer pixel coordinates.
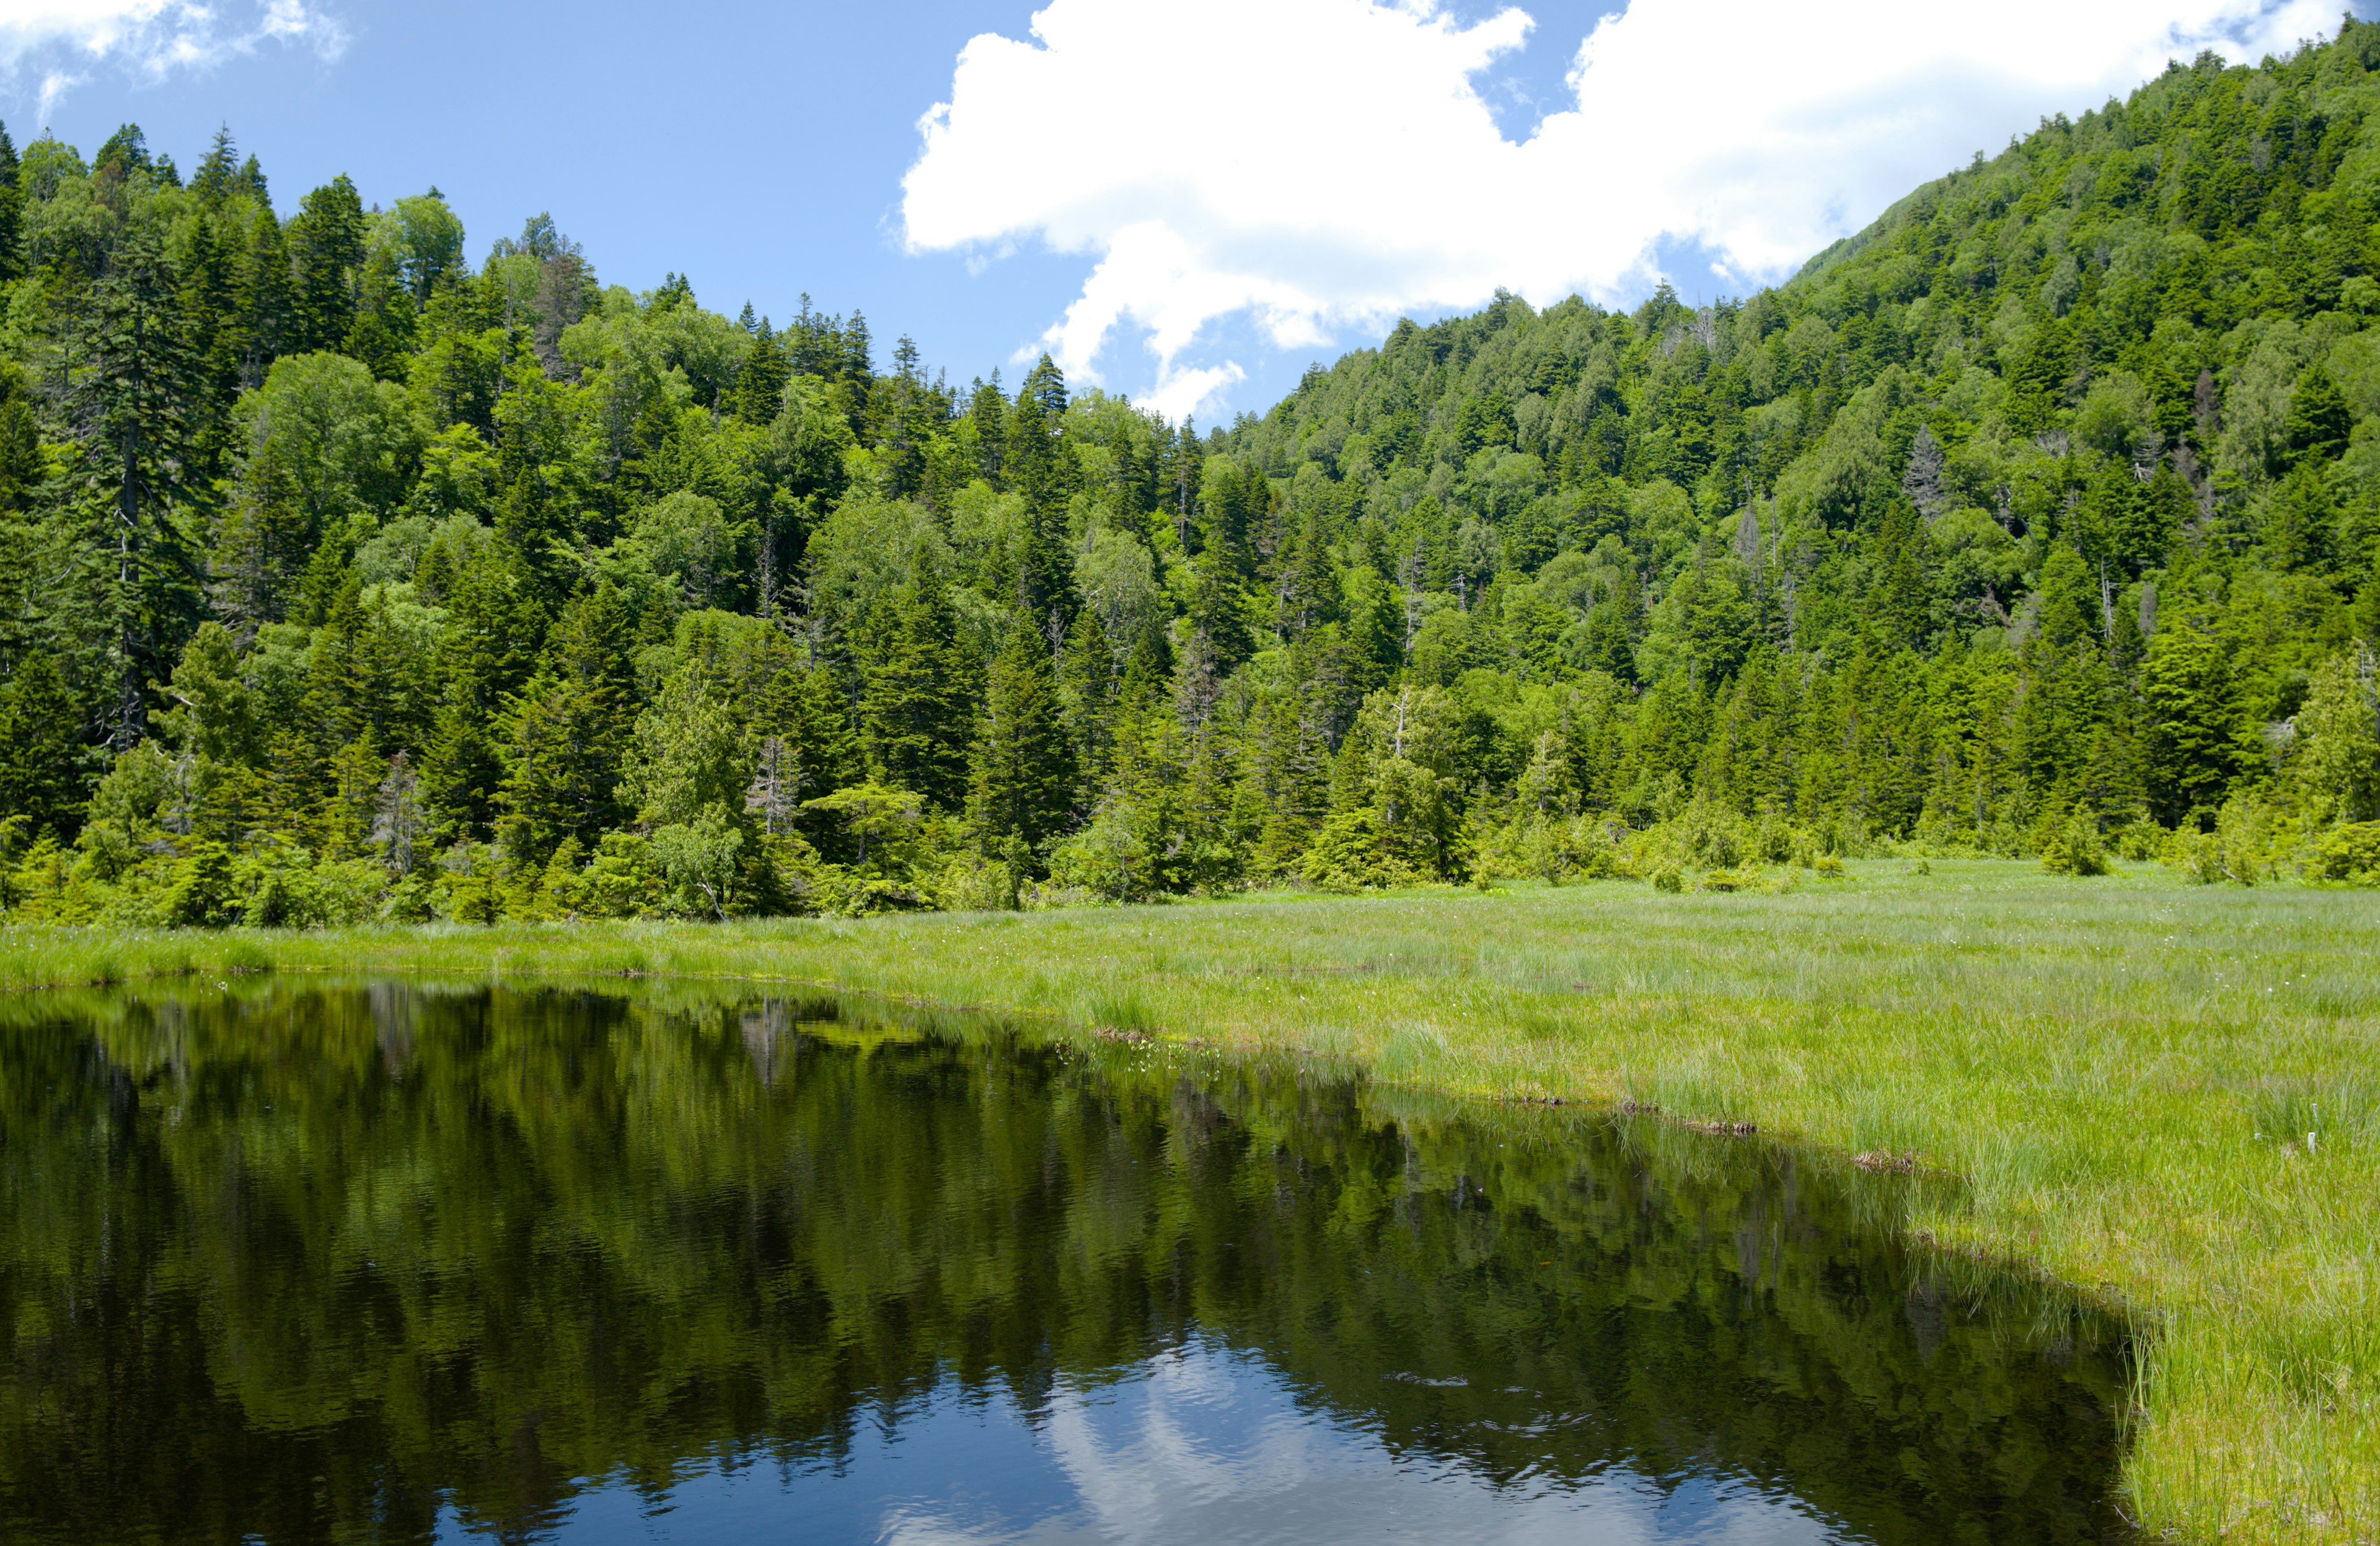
{"type": "Point", "coordinates": [2126, 1070]}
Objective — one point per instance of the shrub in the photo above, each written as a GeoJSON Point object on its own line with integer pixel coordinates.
{"type": "Point", "coordinates": [2349, 853]}
{"type": "Point", "coordinates": [204, 892]}
{"type": "Point", "coordinates": [2075, 848]}
{"type": "Point", "coordinates": [2242, 849]}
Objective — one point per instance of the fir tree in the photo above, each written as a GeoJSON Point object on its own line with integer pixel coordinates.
{"type": "Point", "coordinates": [565, 732]}
{"type": "Point", "coordinates": [135, 409]}
{"type": "Point", "coordinates": [1023, 763]}
{"type": "Point", "coordinates": [11, 212]}
{"type": "Point", "coordinates": [2318, 421]}
{"type": "Point", "coordinates": [2196, 743]}
{"type": "Point", "coordinates": [326, 253]}
{"type": "Point", "coordinates": [1087, 686]}
{"type": "Point", "coordinates": [494, 627]}
{"type": "Point", "coordinates": [915, 711]}
{"type": "Point", "coordinates": [40, 754]}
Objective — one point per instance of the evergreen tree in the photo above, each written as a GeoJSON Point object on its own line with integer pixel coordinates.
{"type": "Point", "coordinates": [494, 627]}
{"type": "Point", "coordinates": [988, 412]}
{"type": "Point", "coordinates": [1038, 471]}
{"type": "Point", "coordinates": [760, 385]}
{"type": "Point", "coordinates": [2196, 740]}
{"type": "Point", "coordinates": [2319, 420]}
{"type": "Point", "coordinates": [11, 212]}
{"type": "Point", "coordinates": [326, 254]}
{"type": "Point", "coordinates": [264, 308]}
{"type": "Point", "coordinates": [915, 711]}
{"type": "Point", "coordinates": [567, 729]}
{"type": "Point", "coordinates": [1023, 763]}
{"type": "Point", "coordinates": [1087, 686]}
{"type": "Point", "coordinates": [42, 755]}
{"type": "Point", "coordinates": [218, 171]}
{"type": "Point", "coordinates": [136, 408]}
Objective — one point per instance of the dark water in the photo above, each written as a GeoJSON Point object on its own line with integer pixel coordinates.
{"type": "Point", "coordinates": [397, 1263]}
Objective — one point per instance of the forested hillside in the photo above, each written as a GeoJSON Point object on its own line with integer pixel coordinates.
{"type": "Point", "coordinates": [341, 578]}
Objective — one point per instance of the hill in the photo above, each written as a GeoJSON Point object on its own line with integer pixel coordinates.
{"type": "Point", "coordinates": [338, 577]}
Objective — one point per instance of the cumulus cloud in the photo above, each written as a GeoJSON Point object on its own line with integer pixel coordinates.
{"type": "Point", "coordinates": [1317, 164]}
{"type": "Point", "coordinates": [57, 42]}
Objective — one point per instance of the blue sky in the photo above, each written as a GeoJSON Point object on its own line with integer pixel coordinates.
{"type": "Point", "coordinates": [1187, 203]}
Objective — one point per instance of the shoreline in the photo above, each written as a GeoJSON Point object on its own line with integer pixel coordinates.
{"type": "Point", "coordinates": [2092, 1059]}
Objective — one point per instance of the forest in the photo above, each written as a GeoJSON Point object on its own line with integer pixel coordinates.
{"type": "Point", "coordinates": [341, 579]}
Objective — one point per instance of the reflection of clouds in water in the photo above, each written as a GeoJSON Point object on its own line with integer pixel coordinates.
{"type": "Point", "coordinates": [1206, 1446]}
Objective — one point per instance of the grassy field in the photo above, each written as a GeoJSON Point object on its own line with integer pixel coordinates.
{"type": "Point", "coordinates": [2165, 1093]}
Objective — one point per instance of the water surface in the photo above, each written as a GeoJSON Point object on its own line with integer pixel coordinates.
{"type": "Point", "coordinates": [398, 1262]}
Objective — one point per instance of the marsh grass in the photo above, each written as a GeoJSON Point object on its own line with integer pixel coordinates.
{"type": "Point", "coordinates": [2108, 1079]}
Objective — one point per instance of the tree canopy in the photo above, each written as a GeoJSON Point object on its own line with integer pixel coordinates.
{"type": "Point", "coordinates": [2053, 496]}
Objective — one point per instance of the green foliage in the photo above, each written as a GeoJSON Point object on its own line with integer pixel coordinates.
{"type": "Point", "coordinates": [2347, 853]}
{"type": "Point", "coordinates": [2023, 501]}
{"type": "Point", "coordinates": [2077, 848]}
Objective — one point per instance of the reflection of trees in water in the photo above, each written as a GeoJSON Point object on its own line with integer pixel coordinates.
{"type": "Point", "coordinates": [294, 1263]}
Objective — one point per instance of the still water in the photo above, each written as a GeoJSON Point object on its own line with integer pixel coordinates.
{"type": "Point", "coordinates": [399, 1262]}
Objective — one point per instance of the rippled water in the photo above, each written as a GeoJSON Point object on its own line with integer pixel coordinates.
{"type": "Point", "coordinates": [387, 1262]}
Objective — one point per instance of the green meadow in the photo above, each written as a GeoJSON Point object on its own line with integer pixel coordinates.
{"type": "Point", "coordinates": [2161, 1093]}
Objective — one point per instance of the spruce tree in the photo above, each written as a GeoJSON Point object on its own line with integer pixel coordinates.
{"type": "Point", "coordinates": [326, 253]}
{"type": "Point", "coordinates": [1039, 471]}
{"type": "Point", "coordinates": [1023, 762]}
{"type": "Point", "coordinates": [218, 170]}
{"type": "Point", "coordinates": [916, 711]}
{"type": "Point", "coordinates": [1087, 685]}
{"type": "Point", "coordinates": [11, 212]}
{"type": "Point", "coordinates": [40, 754]}
{"type": "Point", "coordinates": [987, 411]}
{"type": "Point", "coordinates": [264, 305]}
{"type": "Point", "coordinates": [761, 384]}
{"type": "Point", "coordinates": [2319, 420]}
{"type": "Point", "coordinates": [2196, 743]}
{"type": "Point", "coordinates": [136, 408]}
{"type": "Point", "coordinates": [566, 732]}
{"type": "Point", "coordinates": [493, 626]}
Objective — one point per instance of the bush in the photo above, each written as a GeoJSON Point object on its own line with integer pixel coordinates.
{"type": "Point", "coordinates": [1357, 851]}
{"type": "Point", "coordinates": [204, 891]}
{"type": "Point", "coordinates": [1108, 859]}
{"type": "Point", "coordinates": [287, 888]}
{"type": "Point", "coordinates": [2139, 839]}
{"type": "Point", "coordinates": [2075, 848]}
{"type": "Point", "coordinates": [2242, 849]}
{"type": "Point", "coordinates": [2349, 853]}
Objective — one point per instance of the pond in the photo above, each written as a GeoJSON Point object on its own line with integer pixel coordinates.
{"type": "Point", "coordinates": [285, 1262]}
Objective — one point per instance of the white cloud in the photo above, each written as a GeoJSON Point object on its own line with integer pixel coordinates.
{"type": "Point", "coordinates": [1315, 164]}
{"type": "Point", "coordinates": [59, 39]}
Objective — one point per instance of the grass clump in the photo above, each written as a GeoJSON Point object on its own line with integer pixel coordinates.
{"type": "Point", "coordinates": [2122, 1073]}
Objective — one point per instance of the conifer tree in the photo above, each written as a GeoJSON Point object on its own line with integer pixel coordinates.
{"type": "Point", "coordinates": [1087, 685]}
{"type": "Point", "coordinates": [41, 756]}
{"type": "Point", "coordinates": [218, 169]}
{"type": "Point", "coordinates": [1023, 760]}
{"type": "Point", "coordinates": [566, 732]}
{"type": "Point", "coordinates": [987, 411]}
{"type": "Point", "coordinates": [2196, 743]}
{"type": "Point", "coordinates": [326, 253]}
{"type": "Point", "coordinates": [265, 307]}
{"type": "Point", "coordinates": [916, 709]}
{"type": "Point", "coordinates": [1038, 471]}
{"type": "Point", "coordinates": [11, 212]}
{"type": "Point", "coordinates": [2319, 420]}
{"type": "Point", "coordinates": [761, 384]}
{"type": "Point", "coordinates": [136, 408]}
{"type": "Point", "coordinates": [494, 626]}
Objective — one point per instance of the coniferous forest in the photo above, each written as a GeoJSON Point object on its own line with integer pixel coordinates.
{"type": "Point", "coordinates": [341, 578]}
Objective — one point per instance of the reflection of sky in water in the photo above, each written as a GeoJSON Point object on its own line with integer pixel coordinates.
{"type": "Point", "coordinates": [1201, 1445]}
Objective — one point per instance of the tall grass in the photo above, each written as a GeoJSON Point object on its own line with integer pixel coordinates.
{"type": "Point", "coordinates": [2122, 1071]}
